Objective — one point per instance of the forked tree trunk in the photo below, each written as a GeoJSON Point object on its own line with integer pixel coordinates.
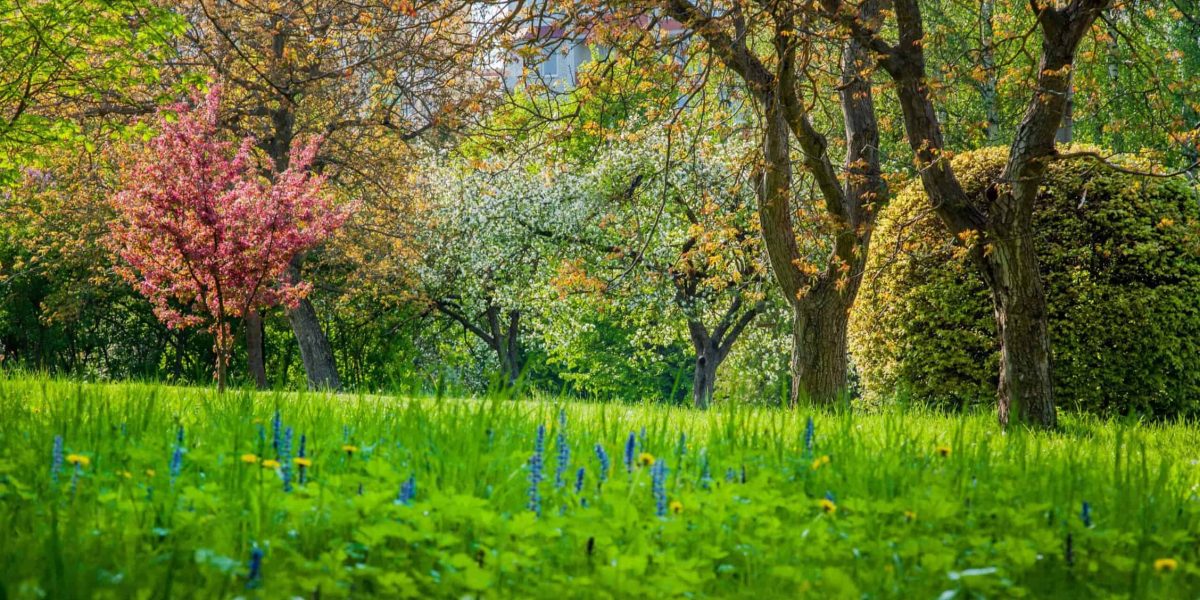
{"type": "Point", "coordinates": [1025, 394]}
{"type": "Point", "coordinates": [819, 362]}
{"type": "Point", "coordinates": [255, 359]}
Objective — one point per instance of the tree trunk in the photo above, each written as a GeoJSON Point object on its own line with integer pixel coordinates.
{"type": "Point", "coordinates": [819, 363]}
{"type": "Point", "coordinates": [1066, 128]}
{"type": "Point", "coordinates": [255, 360]}
{"type": "Point", "coordinates": [1025, 394]}
{"type": "Point", "coordinates": [315, 350]}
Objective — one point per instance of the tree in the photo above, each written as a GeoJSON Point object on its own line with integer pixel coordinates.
{"type": "Point", "coordinates": [60, 60]}
{"type": "Point", "coordinates": [205, 238]}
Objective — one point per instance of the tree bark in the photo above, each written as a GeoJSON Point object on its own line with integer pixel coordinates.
{"type": "Point", "coordinates": [255, 357]}
{"type": "Point", "coordinates": [819, 360]}
{"type": "Point", "coordinates": [704, 379]}
{"type": "Point", "coordinates": [315, 350]}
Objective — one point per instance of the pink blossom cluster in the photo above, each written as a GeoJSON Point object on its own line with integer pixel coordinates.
{"type": "Point", "coordinates": [206, 237]}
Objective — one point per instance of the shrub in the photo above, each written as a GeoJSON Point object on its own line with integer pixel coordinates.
{"type": "Point", "coordinates": [1120, 257]}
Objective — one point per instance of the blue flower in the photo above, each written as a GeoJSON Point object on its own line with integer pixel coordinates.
{"type": "Point", "coordinates": [563, 459]}
{"type": "Point", "coordinates": [535, 471]}
{"type": "Point", "coordinates": [809, 430]}
{"type": "Point", "coordinates": [254, 577]}
{"type": "Point", "coordinates": [1085, 514]}
{"type": "Point", "coordinates": [408, 491]}
{"type": "Point", "coordinates": [56, 459]}
{"type": "Point", "coordinates": [285, 460]}
{"type": "Point", "coordinates": [658, 486]}
{"type": "Point", "coordinates": [602, 457]}
{"type": "Point", "coordinates": [630, 451]}
{"type": "Point", "coordinates": [579, 479]}
{"type": "Point", "coordinates": [276, 429]}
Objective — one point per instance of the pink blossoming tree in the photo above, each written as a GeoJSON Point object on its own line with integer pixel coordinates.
{"type": "Point", "coordinates": [206, 238]}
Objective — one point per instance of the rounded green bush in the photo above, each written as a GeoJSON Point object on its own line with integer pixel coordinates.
{"type": "Point", "coordinates": [1120, 257]}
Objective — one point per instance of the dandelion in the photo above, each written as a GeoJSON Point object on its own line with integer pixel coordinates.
{"type": "Point", "coordinates": [820, 462]}
{"type": "Point", "coordinates": [1166, 565]}
{"type": "Point", "coordinates": [303, 463]}
{"type": "Point", "coordinates": [250, 459]}
{"type": "Point", "coordinates": [943, 451]}
{"type": "Point", "coordinates": [408, 491]}
{"type": "Point", "coordinates": [658, 486]}
{"type": "Point", "coordinates": [910, 516]}
{"type": "Point", "coordinates": [150, 473]}
{"type": "Point", "coordinates": [78, 460]}
{"type": "Point", "coordinates": [1085, 514]}
{"type": "Point", "coordinates": [602, 458]}
{"type": "Point", "coordinates": [56, 459]}
{"type": "Point", "coordinates": [254, 577]}
{"type": "Point", "coordinates": [630, 449]}
{"type": "Point", "coordinates": [827, 505]}
{"type": "Point", "coordinates": [645, 459]}
{"type": "Point", "coordinates": [809, 431]}
{"type": "Point", "coordinates": [579, 479]}
{"type": "Point", "coordinates": [676, 507]}
{"type": "Point", "coordinates": [349, 449]}
{"type": "Point", "coordinates": [270, 464]}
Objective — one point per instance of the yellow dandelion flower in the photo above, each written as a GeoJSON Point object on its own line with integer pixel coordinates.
{"type": "Point", "coordinates": [1166, 565]}
{"type": "Point", "coordinates": [302, 461]}
{"type": "Point", "coordinates": [676, 506]}
{"type": "Point", "coordinates": [149, 472]}
{"type": "Point", "coordinates": [943, 450]}
{"type": "Point", "coordinates": [827, 505]}
{"type": "Point", "coordinates": [270, 464]}
{"type": "Point", "coordinates": [349, 449]}
{"type": "Point", "coordinates": [645, 459]}
{"type": "Point", "coordinates": [910, 515]}
{"type": "Point", "coordinates": [820, 462]}
{"type": "Point", "coordinates": [78, 459]}
{"type": "Point", "coordinates": [125, 474]}
{"type": "Point", "coordinates": [250, 459]}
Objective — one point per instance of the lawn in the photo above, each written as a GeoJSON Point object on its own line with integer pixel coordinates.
{"type": "Point", "coordinates": [157, 491]}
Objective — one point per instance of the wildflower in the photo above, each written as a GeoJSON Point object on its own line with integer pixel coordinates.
{"type": "Point", "coordinates": [302, 462]}
{"type": "Point", "coordinates": [730, 475]}
{"type": "Point", "coordinates": [349, 449]}
{"type": "Point", "coordinates": [270, 464]}
{"type": "Point", "coordinates": [408, 491]}
{"type": "Point", "coordinates": [1165, 565]}
{"type": "Point", "coordinates": [630, 448]}
{"type": "Point", "coordinates": [820, 462]}
{"type": "Point", "coordinates": [579, 479]}
{"type": "Point", "coordinates": [658, 486]}
{"type": "Point", "coordinates": [176, 466]}
{"type": "Point", "coordinates": [56, 460]}
{"type": "Point", "coordinates": [563, 459]}
{"type": "Point", "coordinates": [285, 455]}
{"type": "Point", "coordinates": [910, 515]}
{"type": "Point", "coordinates": [150, 473]}
{"type": "Point", "coordinates": [535, 472]}
{"type": "Point", "coordinates": [1085, 514]}
{"type": "Point", "coordinates": [125, 474]}
{"type": "Point", "coordinates": [645, 459]}
{"type": "Point", "coordinates": [809, 431]}
{"type": "Point", "coordinates": [602, 457]}
{"type": "Point", "coordinates": [676, 507]}
{"type": "Point", "coordinates": [250, 459]}
{"type": "Point", "coordinates": [943, 450]}
{"type": "Point", "coordinates": [78, 460]}
{"type": "Point", "coordinates": [254, 577]}
{"type": "Point", "coordinates": [276, 429]}
{"type": "Point", "coordinates": [827, 505]}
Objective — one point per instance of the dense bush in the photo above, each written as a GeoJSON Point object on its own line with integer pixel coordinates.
{"type": "Point", "coordinates": [1120, 256]}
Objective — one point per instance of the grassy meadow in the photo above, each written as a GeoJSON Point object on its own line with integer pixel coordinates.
{"type": "Point", "coordinates": [151, 491]}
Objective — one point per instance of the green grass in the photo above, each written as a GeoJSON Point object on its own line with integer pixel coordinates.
{"type": "Point", "coordinates": [993, 518]}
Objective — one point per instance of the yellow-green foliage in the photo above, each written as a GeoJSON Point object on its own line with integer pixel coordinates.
{"type": "Point", "coordinates": [1120, 256]}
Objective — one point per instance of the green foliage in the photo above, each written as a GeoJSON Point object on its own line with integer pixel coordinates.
{"type": "Point", "coordinates": [923, 505]}
{"type": "Point", "coordinates": [1119, 255]}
